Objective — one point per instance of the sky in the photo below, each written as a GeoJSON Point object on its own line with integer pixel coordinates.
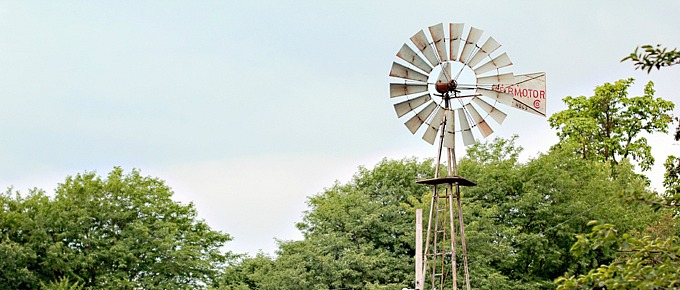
{"type": "Point", "coordinates": [246, 108]}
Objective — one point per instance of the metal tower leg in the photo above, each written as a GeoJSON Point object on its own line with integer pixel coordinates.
{"type": "Point", "coordinates": [462, 238]}
{"type": "Point", "coordinates": [438, 252]}
{"type": "Point", "coordinates": [440, 265]}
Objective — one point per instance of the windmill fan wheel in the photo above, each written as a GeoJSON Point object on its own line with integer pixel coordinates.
{"type": "Point", "coordinates": [450, 84]}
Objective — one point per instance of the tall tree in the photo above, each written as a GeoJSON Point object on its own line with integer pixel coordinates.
{"type": "Point", "coordinates": [658, 57]}
{"type": "Point", "coordinates": [521, 219]}
{"type": "Point", "coordinates": [643, 261]}
{"type": "Point", "coordinates": [119, 232]}
{"type": "Point", "coordinates": [22, 236]}
{"type": "Point", "coordinates": [361, 233]}
{"type": "Point", "coordinates": [607, 125]}
{"type": "Point", "coordinates": [655, 57]}
{"type": "Point", "coordinates": [357, 235]}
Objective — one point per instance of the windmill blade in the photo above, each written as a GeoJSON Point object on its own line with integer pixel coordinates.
{"type": "Point", "coordinates": [449, 130]}
{"type": "Point", "coordinates": [420, 40]}
{"type": "Point", "coordinates": [501, 97]}
{"type": "Point", "coordinates": [397, 90]}
{"type": "Point", "coordinates": [401, 71]}
{"type": "Point", "coordinates": [479, 121]}
{"type": "Point", "coordinates": [455, 37]}
{"type": "Point", "coordinates": [437, 32]}
{"type": "Point", "coordinates": [409, 105]}
{"type": "Point", "coordinates": [500, 61]}
{"type": "Point", "coordinates": [433, 127]}
{"type": "Point", "coordinates": [416, 121]}
{"type": "Point", "coordinates": [445, 73]}
{"type": "Point", "coordinates": [489, 47]}
{"type": "Point", "coordinates": [410, 56]}
{"type": "Point", "coordinates": [468, 138]}
{"type": "Point", "coordinates": [502, 79]}
{"type": "Point", "coordinates": [470, 43]}
{"type": "Point", "coordinates": [492, 111]}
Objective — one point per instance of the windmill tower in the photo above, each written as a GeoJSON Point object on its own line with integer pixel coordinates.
{"type": "Point", "coordinates": [452, 92]}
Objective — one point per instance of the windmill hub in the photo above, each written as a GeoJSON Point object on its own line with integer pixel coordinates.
{"type": "Point", "coordinates": [444, 88]}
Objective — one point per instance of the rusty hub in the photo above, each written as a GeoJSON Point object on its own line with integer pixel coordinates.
{"type": "Point", "coordinates": [444, 88]}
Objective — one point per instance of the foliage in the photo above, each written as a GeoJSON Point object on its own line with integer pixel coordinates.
{"type": "Point", "coordinates": [357, 235]}
{"type": "Point", "coordinates": [122, 232]}
{"type": "Point", "coordinates": [607, 125]}
{"type": "Point", "coordinates": [653, 57]}
{"type": "Point", "coordinates": [360, 233]}
{"type": "Point", "coordinates": [671, 182]}
{"type": "Point", "coordinates": [647, 260]}
{"type": "Point", "coordinates": [247, 273]}
{"type": "Point", "coordinates": [63, 284]}
{"type": "Point", "coordinates": [671, 178]}
{"type": "Point", "coordinates": [534, 210]}
{"type": "Point", "coordinates": [642, 263]}
{"type": "Point", "coordinates": [521, 220]}
{"type": "Point", "coordinates": [677, 129]}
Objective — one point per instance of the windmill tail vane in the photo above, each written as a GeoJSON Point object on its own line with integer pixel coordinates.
{"type": "Point", "coordinates": [445, 84]}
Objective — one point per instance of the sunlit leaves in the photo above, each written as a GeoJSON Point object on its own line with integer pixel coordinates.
{"type": "Point", "coordinates": [119, 232]}
{"type": "Point", "coordinates": [521, 220]}
{"type": "Point", "coordinates": [607, 125]}
{"type": "Point", "coordinates": [642, 263]}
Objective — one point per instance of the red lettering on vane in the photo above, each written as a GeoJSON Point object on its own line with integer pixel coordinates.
{"type": "Point", "coordinates": [516, 91]}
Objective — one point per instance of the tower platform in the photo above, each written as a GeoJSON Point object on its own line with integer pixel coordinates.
{"type": "Point", "coordinates": [446, 180]}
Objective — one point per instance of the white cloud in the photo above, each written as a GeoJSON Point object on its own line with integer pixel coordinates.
{"type": "Point", "coordinates": [255, 198]}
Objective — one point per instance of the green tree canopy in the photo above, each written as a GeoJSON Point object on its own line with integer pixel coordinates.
{"type": "Point", "coordinates": [523, 217]}
{"type": "Point", "coordinates": [119, 232]}
{"type": "Point", "coordinates": [647, 260]}
{"type": "Point", "coordinates": [608, 125]}
{"type": "Point", "coordinates": [658, 57]}
{"type": "Point", "coordinates": [521, 220]}
{"type": "Point", "coordinates": [358, 235]}
{"type": "Point", "coordinates": [642, 262]}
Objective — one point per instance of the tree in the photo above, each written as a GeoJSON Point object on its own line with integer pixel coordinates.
{"type": "Point", "coordinates": [521, 220]}
{"type": "Point", "coordinates": [661, 57]}
{"type": "Point", "coordinates": [122, 232]}
{"type": "Point", "coordinates": [358, 235]}
{"type": "Point", "coordinates": [648, 260]}
{"type": "Point", "coordinates": [22, 237]}
{"type": "Point", "coordinates": [607, 125]}
{"type": "Point", "coordinates": [62, 284]}
{"type": "Point", "coordinates": [248, 273]}
{"type": "Point", "coordinates": [655, 57]}
{"type": "Point", "coordinates": [642, 262]}
{"type": "Point", "coordinates": [671, 178]}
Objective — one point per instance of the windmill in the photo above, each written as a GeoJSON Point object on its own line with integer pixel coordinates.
{"type": "Point", "coordinates": [445, 90]}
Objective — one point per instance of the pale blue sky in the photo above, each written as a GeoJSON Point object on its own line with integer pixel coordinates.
{"type": "Point", "coordinates": [248, 107]}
